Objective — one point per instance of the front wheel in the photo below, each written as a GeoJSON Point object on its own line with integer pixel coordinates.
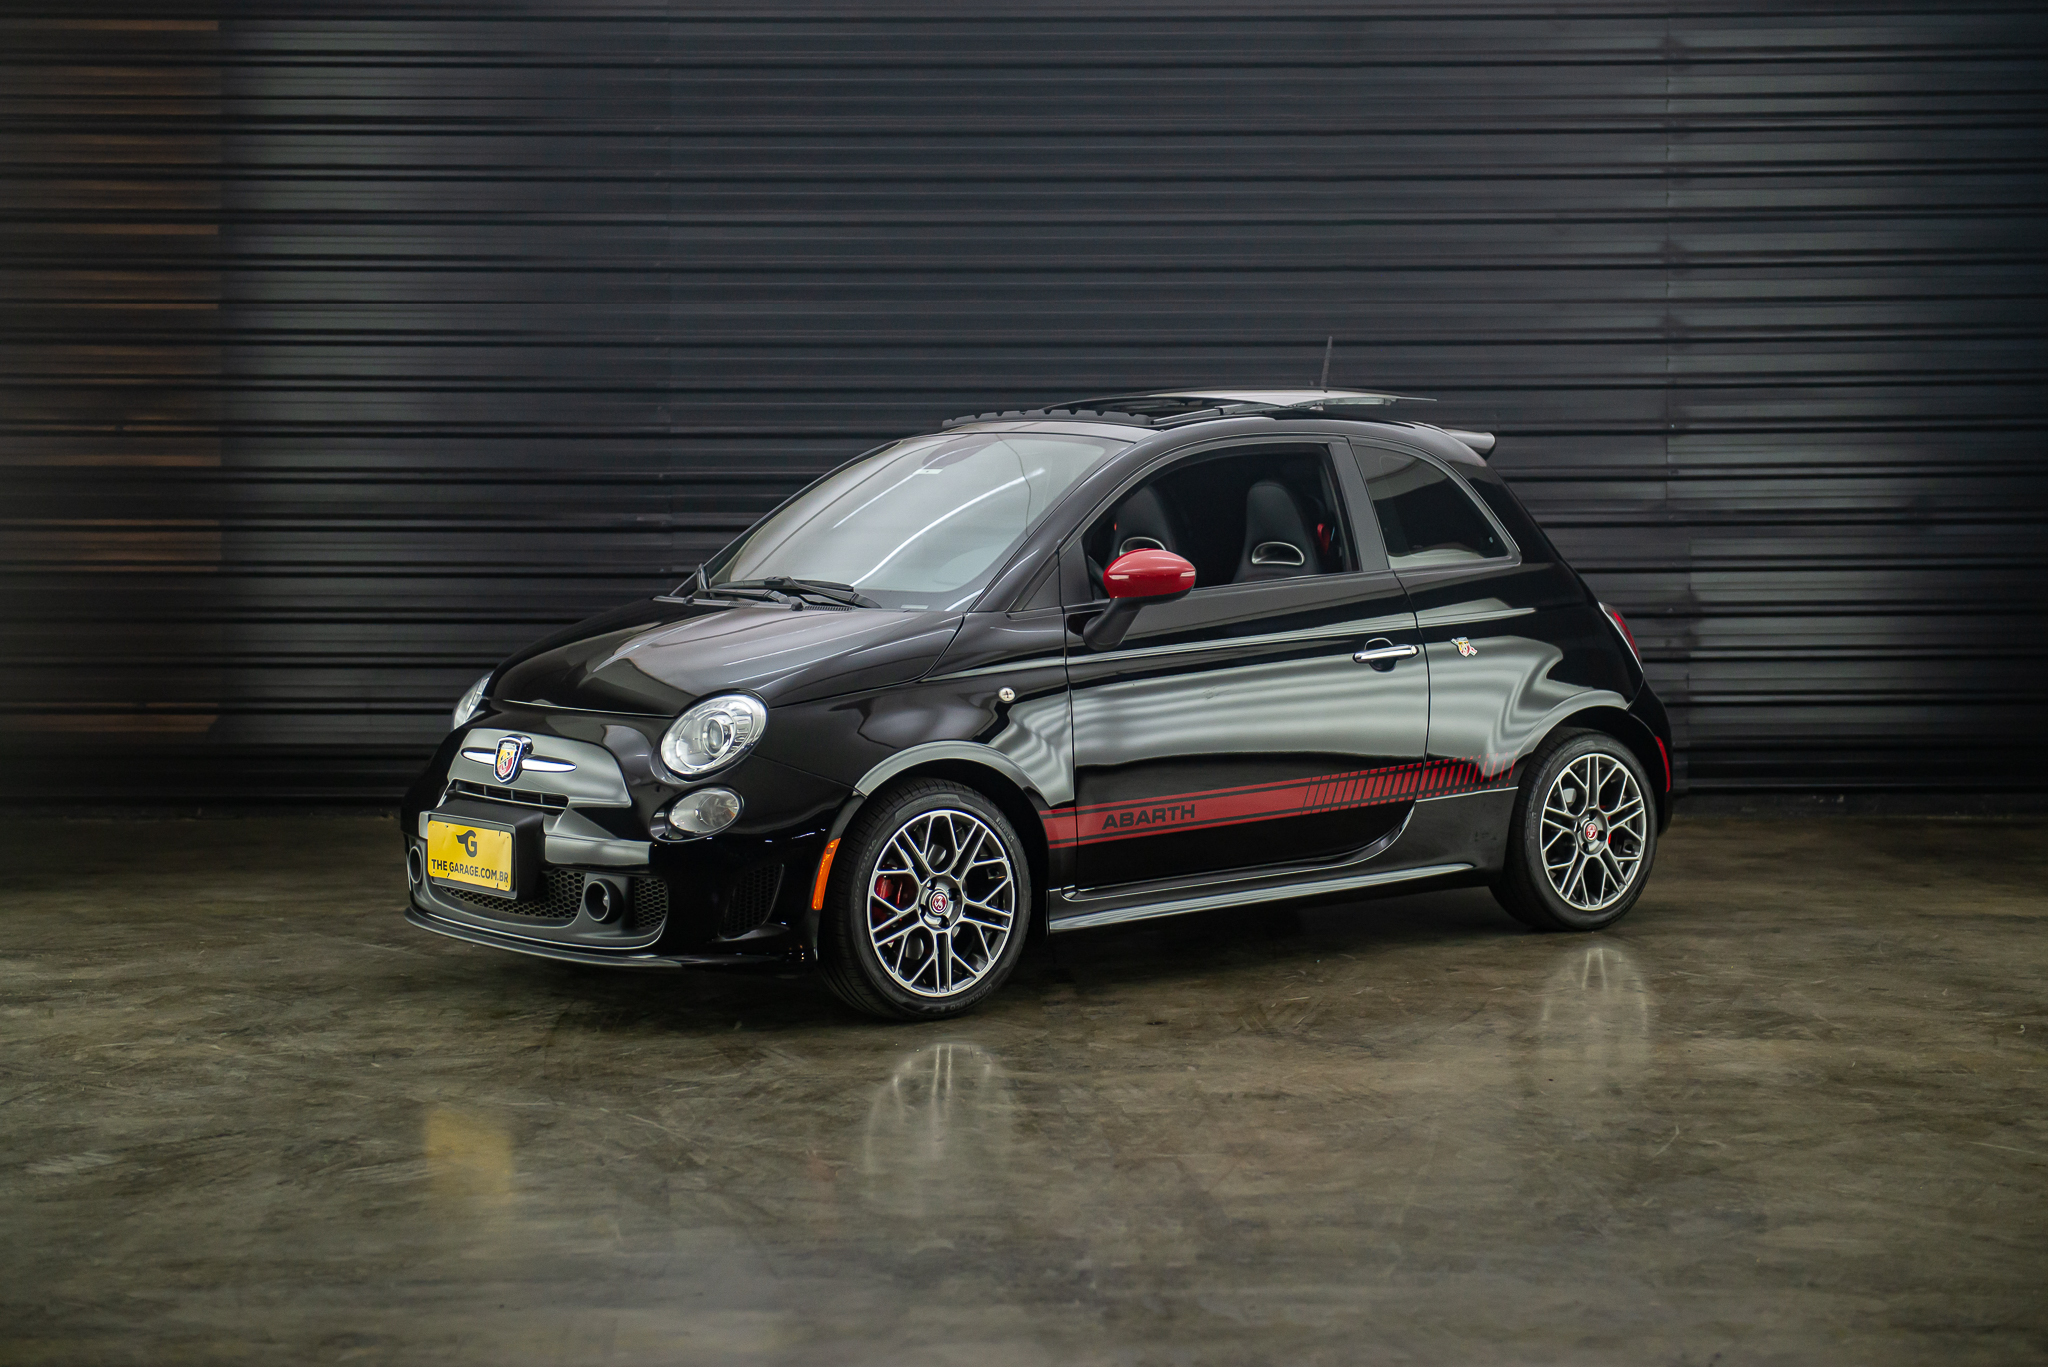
{"type": "Point", "coordinates": [1582, 837]}
{"type": "Point", "coordinates": [928, 903]}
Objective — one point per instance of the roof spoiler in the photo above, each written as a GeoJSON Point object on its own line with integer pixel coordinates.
{"type": "Point", "coordinates": [1482, 442]}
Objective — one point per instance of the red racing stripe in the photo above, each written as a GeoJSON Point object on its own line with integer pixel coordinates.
{"type": "Point", "coordinates": [1207, 808]}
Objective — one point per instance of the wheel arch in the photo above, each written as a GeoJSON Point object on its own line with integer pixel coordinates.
{"type": "Point", "coordinates": [989, 772]}
{"type": "Point", "coordinates": [1641, 741]}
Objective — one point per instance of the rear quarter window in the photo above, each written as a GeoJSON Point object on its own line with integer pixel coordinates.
{"type": "Point", "coordinates": [1512, 515]}
{"type": "Point", "coordinates": [1428, 521]}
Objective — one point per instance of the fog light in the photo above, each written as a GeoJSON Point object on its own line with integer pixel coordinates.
{"type": "Point", "coordinates": [705, 812]}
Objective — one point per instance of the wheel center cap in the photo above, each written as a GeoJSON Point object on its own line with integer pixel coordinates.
{"type": "Point", "coordinates": [941, 904]}
{"type": "Point", "coordinates": [1592, 833]}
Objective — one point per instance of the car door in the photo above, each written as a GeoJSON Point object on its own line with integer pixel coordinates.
{"type": "Point", "coordinates": [1236, 728]}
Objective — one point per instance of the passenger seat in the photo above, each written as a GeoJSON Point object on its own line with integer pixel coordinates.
{"type": "Point", "coordinates": [1277, 544]}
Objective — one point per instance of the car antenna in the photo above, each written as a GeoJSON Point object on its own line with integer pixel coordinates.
{"type": "Point", "coordinates": [1328, 343]}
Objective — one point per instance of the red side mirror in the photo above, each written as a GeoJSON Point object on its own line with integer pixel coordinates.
{"type": "Point", "coordinates": [1148, 574]}
{"type": "Point", "coordinates": [1132, 581]}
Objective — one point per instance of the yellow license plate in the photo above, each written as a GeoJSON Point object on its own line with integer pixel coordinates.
{"type": "Point", "coordinates": [469, 855]}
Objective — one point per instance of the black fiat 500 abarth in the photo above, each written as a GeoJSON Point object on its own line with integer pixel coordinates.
{"type": "Point", "coordinates": [1048, 670]}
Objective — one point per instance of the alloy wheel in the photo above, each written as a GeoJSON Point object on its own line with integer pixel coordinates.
{"type": "Point", "coordinates": [1595, 831]}
{"type": "Point", "coordinates": [941, 903]}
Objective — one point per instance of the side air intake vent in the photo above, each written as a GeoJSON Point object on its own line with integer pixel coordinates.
{"type": "Point", "coordinates": [750, 901]}
{"type": "Point", "coordinates": [649, 905]}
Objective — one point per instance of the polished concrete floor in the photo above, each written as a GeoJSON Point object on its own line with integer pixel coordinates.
{"type": "Point", "coordinates": [1792, 1111]}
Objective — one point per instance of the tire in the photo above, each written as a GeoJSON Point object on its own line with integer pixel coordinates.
{"type": "Point", "coordinates": [1582, 838]}
{"type": "Point", "coordinates": [928, 906]}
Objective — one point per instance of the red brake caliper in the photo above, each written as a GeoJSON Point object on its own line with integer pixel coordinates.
{"type": "Point", "coordinates": [885, 890]}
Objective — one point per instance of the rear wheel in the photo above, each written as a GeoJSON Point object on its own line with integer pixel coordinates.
{"type": "Point", "coordinates": [1582, 838]}
{"type": "Point", "coordinates": [928, 903]}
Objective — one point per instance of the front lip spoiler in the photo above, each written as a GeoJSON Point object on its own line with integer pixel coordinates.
{"type": "Point", "coordinates": [582, 956]}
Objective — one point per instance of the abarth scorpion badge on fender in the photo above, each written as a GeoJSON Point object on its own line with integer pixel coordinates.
{"type": "Point", "coordinates": [1040, 671]}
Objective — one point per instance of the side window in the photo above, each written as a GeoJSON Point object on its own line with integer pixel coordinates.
{"type": "Point", "coordinates": [1426, 518]}
{"type": "Point", "coordinates": [1239, 517]}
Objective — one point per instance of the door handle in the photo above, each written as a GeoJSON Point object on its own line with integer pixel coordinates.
{"type": "Point", "coordinates": [1381, 653]}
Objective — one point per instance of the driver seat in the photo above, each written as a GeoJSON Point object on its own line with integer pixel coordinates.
{"type": "Point", "coordinates": [1141, 522]}
{"type": "Point", "coordinates": [1144, 522]}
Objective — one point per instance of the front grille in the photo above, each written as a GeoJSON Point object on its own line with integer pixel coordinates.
{"type": "Point", "coordinates": [560, 897]}
{"type": "Point", "coordinates": [524, 797]}
{"type": "Point", "coordinates": [750, 900]}
{"type": "Point", "coordinates": [561, 892]}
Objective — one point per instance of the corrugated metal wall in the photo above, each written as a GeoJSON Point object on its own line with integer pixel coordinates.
{"type": "Point", "coordinates": [344, 354]}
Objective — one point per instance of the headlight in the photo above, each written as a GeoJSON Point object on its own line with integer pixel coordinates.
{"type": "Point", "coordinates": [713, 734]}
{"type": "Point", "coordinates": [472, 703]}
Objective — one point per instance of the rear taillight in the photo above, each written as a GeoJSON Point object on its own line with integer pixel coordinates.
{"type": "Point", "coordinates": [1629, 636]}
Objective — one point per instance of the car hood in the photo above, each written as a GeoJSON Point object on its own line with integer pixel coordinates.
{"type": "Point", "coordinates": [659, 657]}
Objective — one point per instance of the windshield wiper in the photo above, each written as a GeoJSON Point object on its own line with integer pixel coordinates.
{"type": "Point", "coordinates": [846, 595]}
{"type": "Point", "coordinates": [745, 593]}
{"type": "Point", "coordinates": [830, 590]}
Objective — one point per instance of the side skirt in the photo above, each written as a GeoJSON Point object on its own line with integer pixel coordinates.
{"type": "Point", "coordinates": [1243, 897]}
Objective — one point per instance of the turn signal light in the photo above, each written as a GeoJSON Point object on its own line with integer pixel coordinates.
{"type": "Point", "coordinates": [824, 876]}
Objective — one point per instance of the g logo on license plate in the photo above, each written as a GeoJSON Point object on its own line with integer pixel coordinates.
{"type": "Point", "coordinates": [512, 753]}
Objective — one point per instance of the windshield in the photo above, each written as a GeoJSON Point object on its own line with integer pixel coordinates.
{"type": "Point", "coordinates": [923, 524]}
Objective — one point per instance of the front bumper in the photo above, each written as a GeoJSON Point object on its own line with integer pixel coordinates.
{"type": "Point", "coordinates": [740, 897]}
{"type": "Point", "coordinates": [696, 904]}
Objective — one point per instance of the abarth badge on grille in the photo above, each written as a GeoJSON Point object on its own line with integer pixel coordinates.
{"type": "Point", "coordinates": [512, 752]}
